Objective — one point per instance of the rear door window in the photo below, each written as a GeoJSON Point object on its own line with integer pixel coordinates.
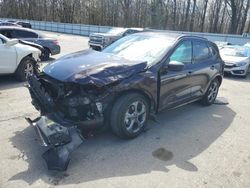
{"type": "Point", "coordinates": [201, 51]}
{"type": "Point", "coordinates": [24, 34]}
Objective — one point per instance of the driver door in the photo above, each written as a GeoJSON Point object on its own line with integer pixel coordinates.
{"type": "Point", "coordinates": [175, 88]}
{"type": "Point", "coordinates": [7, 58]}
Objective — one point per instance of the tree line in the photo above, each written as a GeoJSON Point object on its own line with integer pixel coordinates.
{"type": "Point", "coordinates": [214, 16]}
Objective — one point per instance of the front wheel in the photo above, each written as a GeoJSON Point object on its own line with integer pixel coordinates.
{"type": "Point", "coordinates": [25, 68]}
{"type": "Point", "coordinates": [129, 115]}
{"type": "Point", "coordinates": [211, 93]}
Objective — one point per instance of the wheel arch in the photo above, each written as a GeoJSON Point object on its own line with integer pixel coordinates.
{"type": "Point", "coordinates": [22, 58]}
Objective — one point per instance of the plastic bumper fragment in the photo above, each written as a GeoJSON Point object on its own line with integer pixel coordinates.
{"type": "Point", "coordinates": [62, 141]}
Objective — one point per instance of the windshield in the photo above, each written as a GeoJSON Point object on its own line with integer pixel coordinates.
{"type": "Point", "coordinates": [236, 51]}
{"type": "Point", "coordinates": [140, 47]}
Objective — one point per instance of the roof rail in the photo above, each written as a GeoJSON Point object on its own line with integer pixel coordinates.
{"type": "Point", "coordinates": [193, 36]}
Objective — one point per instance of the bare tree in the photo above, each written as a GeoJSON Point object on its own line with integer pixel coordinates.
{"type": "Point", "coordinates": [229, 16]}
{"type": "Point", "coordinates": [192, 16]}
{"type": "Point", "coordinates": [204, 12]}
{"type": "Point", "coordinates": [244, 18]}
{"type": "Point", "coordinates": [233, 16]}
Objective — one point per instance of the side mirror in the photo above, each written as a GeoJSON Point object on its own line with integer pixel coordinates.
{"type": "Point", "coordinates": [175, 66]}
{"type": "Point", "coordinates": [12, 42]}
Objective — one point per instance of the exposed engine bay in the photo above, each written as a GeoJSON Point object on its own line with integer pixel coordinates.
{"type": "Point", "coordinates": [75, 104]}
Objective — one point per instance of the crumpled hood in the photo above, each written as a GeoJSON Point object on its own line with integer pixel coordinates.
{"type": "Point", "coordinates": [24, 50]}
{"type": "Point", "coordinates": [92, 67]}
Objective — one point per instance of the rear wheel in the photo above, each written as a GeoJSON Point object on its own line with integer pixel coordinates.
{"type": "Point", "coordinates": [129, 115]}
{"type": "Point", "coordinates": [25, 68]}
{"type": "Point", "coordinates": [211, 93]}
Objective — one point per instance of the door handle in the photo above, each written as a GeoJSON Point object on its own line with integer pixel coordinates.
{"type": "Point", "coordinates": [179, 76]}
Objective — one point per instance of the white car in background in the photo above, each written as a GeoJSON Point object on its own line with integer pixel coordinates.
{"type": "Point", "coordinates": [222, 44]}
{"type": "Point", "coordinates": [237, 60]}
{"type": "Point", "coordinates": [16, 58]}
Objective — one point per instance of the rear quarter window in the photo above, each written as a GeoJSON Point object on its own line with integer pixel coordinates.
{"type": "Point", "coordinates": [213, 50]}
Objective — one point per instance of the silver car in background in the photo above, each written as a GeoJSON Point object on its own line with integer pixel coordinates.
{"type": "Point", "coordinates": [237, 59]}
{"type": "Point", "coordinates": [98, 41]}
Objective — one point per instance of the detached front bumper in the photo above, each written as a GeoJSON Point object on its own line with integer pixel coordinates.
{"type": "Point", "coordinates": [60, 140]}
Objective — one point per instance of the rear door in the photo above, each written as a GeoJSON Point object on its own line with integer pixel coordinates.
{"type": "Point", "coordinates": [7, 58]}
{"type": "Point", "coordinates": [175, 88]}
{"type": "Point", "coordinates": [203, 67]}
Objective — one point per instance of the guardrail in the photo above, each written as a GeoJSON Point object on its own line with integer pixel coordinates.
{"type": "Point", "coordinates": [86, 30]}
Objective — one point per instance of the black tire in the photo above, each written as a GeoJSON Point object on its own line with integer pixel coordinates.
{"type": "Point", "coordinates": [125, 107]}
{"type": "Point", "coordinates": [96, 48]}
{"type": "Point", "coordinates": [211, 93]}
{"type": "Point", "coordinates": [26, 67]}
{"type": "Point", "coordinates": [45, 55]}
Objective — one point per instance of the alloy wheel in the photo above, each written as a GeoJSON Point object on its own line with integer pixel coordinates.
{"type": "Point", "coordinates": [135, 116]}
{"type": "Point", "coordinates": [213, 91]}
{"type": "Point", "coordinates": [29, 69]}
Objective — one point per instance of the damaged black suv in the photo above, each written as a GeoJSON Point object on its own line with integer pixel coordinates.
{"type": "Point", "coordinates": [133, 78]}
